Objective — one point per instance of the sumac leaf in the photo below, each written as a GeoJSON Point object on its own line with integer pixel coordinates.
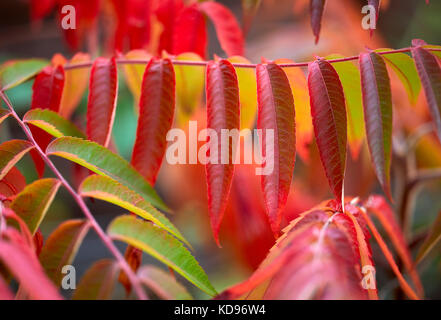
{"type": "Point", "coordinates": [98, 282]}
{"type": "Point", "coordinates": [429, 72]}
{"type": "Point", "coordinates": [167, 13]}
{"type": "Point", "coordinates": [106, 163]}
{"type": "Point", "coordinates": [133, 256]}
{"type": "Point", "coordinates": [156, 111]}
{"type": "Point", "coordinates": [276, 114]}
{"type": "Point", "coordinates": [15, 72]}
{"type": "Point", "coordinates": [191, 33]}
{"type": "Point", "coordinates": [227, 28]}
{"type": "Point", "coordinates": [32, 203]}
{"type": "Point", "coordinates": [10, 153]}
{"type": "Point", "coordinates": [101, 106]}
{"type": "Point", "coordinates": [12, 183]}
{"type": "Point", "coordinates": [377, 103]}
{"type": "Point", "coordinates": [316, 8]}
{"type": "Point", "coordinates": [61, 247]}
{"type": "Point", "coordinates": [223, 113]}
{"type": "Point", "coordinates": [159, 244]}
{"type": "Point", "coordinates": [106, 189]}
{"type": "Point", "coordinates": [329, 119]}
{"type": "Point", "coordinates": [52, 123]}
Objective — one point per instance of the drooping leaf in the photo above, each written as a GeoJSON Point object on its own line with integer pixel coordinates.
{"type": "Point", "coordinates": [52, 123]}
{"type": "Point", "coordinates": [299, 88]}
{"type": "Point", "coordinates": [32, 203]}
{"type": "Point", "coordinates": [431, 240]}
{"type": "Point", "coordinates": [104, 162]}
{"type": "Point", "coordinates": [48, 88]}
{"type": "Point", "coordinates": [246, 77]}
{"type": "Point", "coordinates": [227, 28]}
{"type": "Point", "coordinates": [404, 68]}
{"type": "Point", "coordinates": [101, 107]}
{"type": "Point", "coordinates": [61, 247]}
{"type": "Point", "coordinates": [190, 32]}
{"type": "Point", "coordinates": [377, 103]}
{"type": "Point", "coordinates": [10, 153]}
{"type": "Point", "coordinates": [23, 264]}
{"type": "Point", "coordinates": [329, 119]}
{"type": "Point", "coordinates": [316, 9]}
{"type": "Point", "coordinates": [190, 81]}
{"type": "Point", "coordinates": [3, 115]}
{"type": "Point", "coordinates": [167, 13]}
{"type": "Point", "coordinates": [75, 85]}
{"type": "Point", "coordinates": [98, 282]}
{"type": "Point", "coordinates": [134, 72]}
{"type": "Point", "coordinates": [350, 80]}
{"type": "Point", "coordinates": [15, 72]}
{"type": "Point", "coordinates": [223, 113]}
{"type": "Point", "coordinates": [106, 189]}
{"type": "Point", "coordinates": [249, 8]}
{"type": "Point", "coordinates": [163, 284]}
{"type": "Point", "coordinates": [12, 183]}
{"type": "Point", "coordinates": [156, 112]}
{"type": "Point", "coordinates": [156, 242]}
{"type": "Point", "coordinates": [276, 115]}
{"type": "Point", "coordinates": [429, 72]}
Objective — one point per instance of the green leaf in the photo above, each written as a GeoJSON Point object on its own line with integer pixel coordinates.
{"type": "Point", "coordinates": [52, 123]}
{"type": "Point", "coordinates": [163, 284]}
{"type": "Point", "coordinates": [3, 114]}
{"type": "Point", "coordinates": [98, 282]}
{"type": "Point", "coordinates": [61, 247]}
{"type": "Point", "coordinates": [33, 202]}
{"type": "Point", "coordinates": [432, 239]}
{"type": "Point", "coordinates": [15, 72]}
{"type": "Point", "coordinates": [106, 189]}
{"type": "Point", "coordinates": [10, 153]}
{"type": "Point", "coordinates": [404, 67]}
{"type": "Point", "coordinates": [104, 162]}
{"type": "Point", "coordinates": [159, 244]}
{"type": "Point", "coordinates": [350, 80]}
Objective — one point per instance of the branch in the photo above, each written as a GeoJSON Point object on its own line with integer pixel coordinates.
{"type": "Point", "coordinates": [80, 201]}
{"type": "Point", "coordinates": [237, 65]}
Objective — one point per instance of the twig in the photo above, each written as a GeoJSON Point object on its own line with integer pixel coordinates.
{"type": "Point", "coordinates": [80, 201]}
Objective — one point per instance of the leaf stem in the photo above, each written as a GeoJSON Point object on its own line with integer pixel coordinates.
{"type": "Point", "coordinates": [80, 201]}
{"type": "Point", "coordinates": [123, 61]}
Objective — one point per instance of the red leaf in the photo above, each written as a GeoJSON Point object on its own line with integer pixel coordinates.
{"type": "Point", "coordinates": [377, 103]}
{"type": "Point", "coordinates": [138, 19]}
{"type": "Point", "coordinates": [41, 8]}
{"type": "Point", "coordinates": [167, 13]}
{"type": "Point", "coordinates": [227, 28]}
{"type": "Point", "coordinates": [190, 32]}
{"type": "Point", "coordinates": [316, 9]}
{"type": "Point", "coordinates": [12, 183]}
{"type": "Point", "coordinates": [329, 120]}
{"type": "Point", "coordinates": [223, 112]}
{"type": "Point", "coordinates": [157, 107]}
{"type": "Point", "coordinates": [133, 257]}
{"type": "Point", "coordinates": [101, 107]}
{"type": "Point", "coordinates": [430, 74]}
{"type": "Point", "coordinates": [276, 113]}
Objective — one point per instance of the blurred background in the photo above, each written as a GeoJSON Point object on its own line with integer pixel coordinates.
{"type": "Point", "coordinates": [281, 29]}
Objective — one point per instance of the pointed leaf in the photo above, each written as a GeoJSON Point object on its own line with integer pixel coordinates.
{"type": "Point", "coordinates": [106, 189]}
{"type": "Point", "coordinates": [316, 11]}
{"type": "Point", "coordinates": [75, 85]}
{"type": "Point", "coordinates": [10, 153]}
{"type": "Point", "coordinates": [350, 80]}
{"type": "Point", "coordinates": [61, 247]}
{"type": "Point", "coordinates": [98, 282]}
{"type": "Point", "coordinates": [134, 72]}
{"type": "Point", "coordinates": [163, 284]}
{"type": "Point", "coordinates": [223, 113]}
{"type": "Point", "coordinates": [377, 103]}
{"type": "Point", "coordinates": [432, 239]}
{"type": "Point", "coordinates": [276, 115]}
{"type": "Point", "coordinates": [104, 162]}
{"type": "Point", "coordinates": [52, 123]}
{"type": "Point", "coordinates": [299, 88]}
{"type": "Point", "coordinates": [12, 183]}
{"type": "Point", "coordinates": [246, 77]}
{"type": "Point", "coordinates": [159, 244]}
{"type": "Point", "coordinates": [227, 28]}
{"type": "Point", "coordinates": [191, 33]}
{"type": "Point", "coordinates": [33, 202]}
{"type": "Point", "coordinates": [48, 88]}
{"type": "Point", "coordinates": [329, 119]}
{"type": "Point", "coordinates": [101, 107]}
{"type": "Point", "coordinates": [15, 72]}
{"type": "Point", "coordinates": [156, 111]}
{"type": "Point", "coordinates": [429, 72]}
